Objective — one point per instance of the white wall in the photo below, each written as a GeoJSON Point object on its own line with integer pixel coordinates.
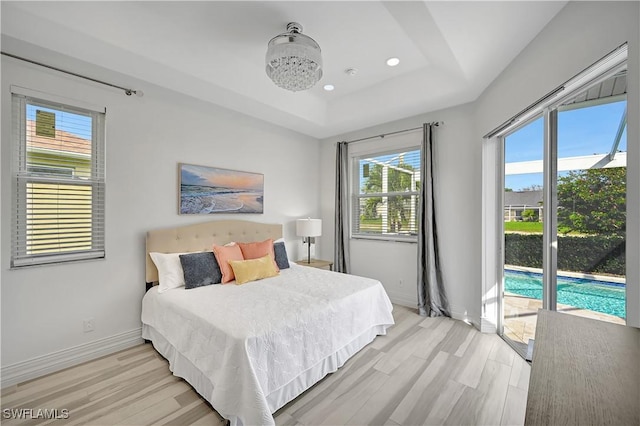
{"type": "Point", "coordinates": [579, 35]}
{"type": "Point", "coordinates": [43, 307]}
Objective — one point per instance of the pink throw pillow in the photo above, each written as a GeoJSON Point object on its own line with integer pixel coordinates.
{"type": "Point", "coordinates": [259, 249]}
{"type": "Point", "coordinates": [223, 255]}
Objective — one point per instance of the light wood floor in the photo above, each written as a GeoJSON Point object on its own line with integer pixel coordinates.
{"type": "Point", "coordinates": [424, 371]}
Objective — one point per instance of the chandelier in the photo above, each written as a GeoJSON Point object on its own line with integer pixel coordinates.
{"type": "Point", "coordinates": [293, 60]}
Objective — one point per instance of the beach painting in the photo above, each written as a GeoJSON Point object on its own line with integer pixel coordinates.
{"type": "Point", "coordinates": [208, 190]}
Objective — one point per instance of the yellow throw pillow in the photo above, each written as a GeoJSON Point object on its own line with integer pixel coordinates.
{"type": "Point", "coordinates": [253, 269]}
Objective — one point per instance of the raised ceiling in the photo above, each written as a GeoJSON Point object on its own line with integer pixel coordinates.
{"type": "Point", "coordinates": [449, 51]}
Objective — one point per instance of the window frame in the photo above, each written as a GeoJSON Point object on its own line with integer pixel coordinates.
{"type": "Point", "coordinates": [356, 196]}
{"type": "Point", "coordinates": [22, 177]}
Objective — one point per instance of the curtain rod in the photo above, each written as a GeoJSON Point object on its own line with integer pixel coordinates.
{"type": "Point", "coordinates": [433, 123]}
{"type": "Point", "coordinates": [519, 115]}
{"type": "Point", "coordinates": [127, 91]}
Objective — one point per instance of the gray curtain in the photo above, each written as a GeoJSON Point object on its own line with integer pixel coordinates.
{"type": "Point", "coordinates": [341, 254]}
{"type": "Point", "coordinates": [432, 300]}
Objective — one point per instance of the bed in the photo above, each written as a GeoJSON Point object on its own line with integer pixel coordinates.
{"type": "Point", "coordinates": [249, 349]}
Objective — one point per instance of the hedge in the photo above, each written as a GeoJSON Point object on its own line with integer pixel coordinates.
{"type": "Point", "coordinates": [588, 254]}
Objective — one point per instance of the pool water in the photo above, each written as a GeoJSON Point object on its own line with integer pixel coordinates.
{"type": "Point", "coordinates": [600, 296]}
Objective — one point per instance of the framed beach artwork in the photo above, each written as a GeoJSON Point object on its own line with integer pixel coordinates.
{"type": "Point", "coordinates": [208, 190]}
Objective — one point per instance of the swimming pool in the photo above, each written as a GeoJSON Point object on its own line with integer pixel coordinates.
{"type": "Point", "coordinates": [600, 296]}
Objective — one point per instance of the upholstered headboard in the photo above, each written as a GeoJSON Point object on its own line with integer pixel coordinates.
{"type": "Point", "coordinates": [202, 236]}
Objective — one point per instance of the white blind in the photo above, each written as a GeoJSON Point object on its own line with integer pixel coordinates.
{"type": "Point", "coordinates": [59, 196]}
{"type": "Point", "coordinates": [386, 194]}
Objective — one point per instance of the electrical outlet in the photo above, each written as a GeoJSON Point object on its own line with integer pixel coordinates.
{"type": "Point", "coordinates": [88, 325]}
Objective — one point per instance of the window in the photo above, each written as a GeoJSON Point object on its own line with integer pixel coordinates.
{"type": "Point", "coordinates": [59, 182]}
{"type": "Point", "coordinates": [385, 199]}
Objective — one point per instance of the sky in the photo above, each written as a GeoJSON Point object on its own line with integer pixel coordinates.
{"type": "Point", "coordinates": [583, 131]}
{"type": "Point", "coordinates": [214, 177]}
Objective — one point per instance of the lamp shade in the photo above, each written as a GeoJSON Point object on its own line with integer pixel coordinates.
{"type": "Point", "coordinates": [309, 227]}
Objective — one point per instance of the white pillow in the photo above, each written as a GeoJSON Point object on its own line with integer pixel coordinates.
{"type": "Point", "coordinates": [170, 273]}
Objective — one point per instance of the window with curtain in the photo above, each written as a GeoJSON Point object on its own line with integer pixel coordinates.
{"type": "Point", "coordinates": [385, 200]}
{"type": "Point", "coordinates": [59, 182]}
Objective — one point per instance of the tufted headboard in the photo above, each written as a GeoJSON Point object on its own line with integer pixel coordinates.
{"type": "Point", "coordinates": [202, 236]}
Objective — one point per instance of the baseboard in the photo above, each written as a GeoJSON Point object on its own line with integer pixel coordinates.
{"type": "Point", "coordinates": [462, 315]}
{"type": "Point", "coordinates": [56, 361]}
{"type": "Point", "coordinates": [403, 300]}
{"type": "Point", "coordinates": [456, 312]}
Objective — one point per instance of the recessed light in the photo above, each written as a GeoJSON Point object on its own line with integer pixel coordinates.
{"type": "Point", "coordinates": [329, 87]}
{"type": "Point", "coordinates": [392, 62]}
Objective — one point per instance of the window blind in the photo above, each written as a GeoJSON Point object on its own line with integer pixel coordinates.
{"type": "Point", "coordinates": [59, 196]}
{"type": "Point", "coordinates": [386, 190]}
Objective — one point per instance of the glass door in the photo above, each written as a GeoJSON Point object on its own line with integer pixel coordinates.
{"type": "Point", "coordinates": [591, 204]}
{"type": "Point", "coordinates": [564, 200]}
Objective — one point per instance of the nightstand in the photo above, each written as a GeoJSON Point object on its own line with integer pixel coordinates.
{"type": "Point", "coordinates": [316, 263]}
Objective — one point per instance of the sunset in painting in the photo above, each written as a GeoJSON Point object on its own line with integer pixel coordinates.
{"type": "Point", "coordinates": [206, 190]}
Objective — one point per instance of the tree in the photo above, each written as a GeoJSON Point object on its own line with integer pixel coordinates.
{"type": "Point", "coordinates": [534, 187]}
{"type": "Point", "coordinates": [530, 215]}
{"type": "Point", "coordinates": [593, 201]}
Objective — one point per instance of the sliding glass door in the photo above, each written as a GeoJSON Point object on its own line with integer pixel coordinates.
{"type": "Point", "coordinates": [591, 204]}
{"type": "Point", "coordinates": [564, 210]}
{"type": "Point", "coordinates": [523, 230]}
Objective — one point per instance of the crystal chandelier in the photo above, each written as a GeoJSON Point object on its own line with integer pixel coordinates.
{"type": "Point", "coordinates": [293, 60]}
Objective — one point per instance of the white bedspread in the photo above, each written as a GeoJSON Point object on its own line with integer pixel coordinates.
{"type": "Point", "coordinates": [251, 340]}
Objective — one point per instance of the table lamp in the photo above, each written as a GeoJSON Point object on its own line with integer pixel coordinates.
{"type": "Point", "coordinates": [308, 228]}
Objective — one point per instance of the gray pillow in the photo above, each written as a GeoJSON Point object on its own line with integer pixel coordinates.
{"type": "Point", "coordinates": [200, 269]}
{"type": "Point", "coordinates": [281, 255]}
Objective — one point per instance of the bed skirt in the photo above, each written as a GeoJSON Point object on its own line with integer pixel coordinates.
{"type": "Point", "coordinates": [180, 366]}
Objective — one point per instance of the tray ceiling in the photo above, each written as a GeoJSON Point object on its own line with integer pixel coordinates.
{"type": "Point", "coordinates": [449, 51]}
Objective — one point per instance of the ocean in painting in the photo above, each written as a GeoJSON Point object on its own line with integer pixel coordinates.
{"type": "Point", "coordinates": [198, 199]}
{"type": "Point", "coordinates": [206, 190]}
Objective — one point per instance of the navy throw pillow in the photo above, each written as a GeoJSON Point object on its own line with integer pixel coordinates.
{"type": "Point", "coordinates": [200, 269]}
{"type": "Point", "coordinates": [281, 255]}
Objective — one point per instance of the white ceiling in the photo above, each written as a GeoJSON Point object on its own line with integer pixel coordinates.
{"type": "Point", "coordinates": [449, 51]}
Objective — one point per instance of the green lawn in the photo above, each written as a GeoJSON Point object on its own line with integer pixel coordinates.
{"type": "Point", "coordinates": [371, 225]}
{"type": "Point", "coordinates": [375, 225]}
{"type": "Point", "coordinates": [528, 227]}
